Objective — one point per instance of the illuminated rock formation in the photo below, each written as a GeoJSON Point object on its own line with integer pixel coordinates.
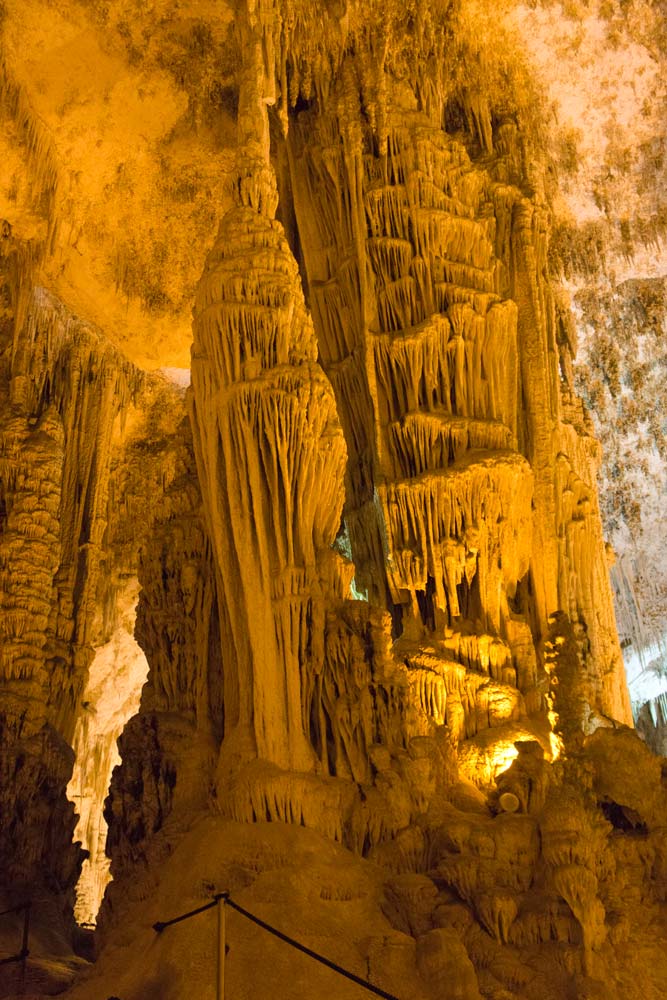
{"type": "Point", "coordinates": [382, 700]}
{"type": "Point", "coordinates": [426, 354]}
{"type": "Point", "coordinates": [111, 696]}
{"type": "Point", "coordinates": [271, 460]}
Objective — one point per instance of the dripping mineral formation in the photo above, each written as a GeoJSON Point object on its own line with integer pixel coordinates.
{"type": "Point", "coordinates": [304, 590]}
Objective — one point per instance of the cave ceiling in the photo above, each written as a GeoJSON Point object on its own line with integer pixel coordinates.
{"type": "Point", "coordinates": [121, 181]}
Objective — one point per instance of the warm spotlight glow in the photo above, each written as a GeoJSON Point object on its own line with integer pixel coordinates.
{"type": "Point", "coordinates": [555, 742]}
{"type": "Point", "coordinates": [556, 745]}
{"type": "Point", "coordinates": [502, 756]}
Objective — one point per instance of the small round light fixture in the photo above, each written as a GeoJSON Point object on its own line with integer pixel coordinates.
{"type": "Point", "coordinates": [508, 802]}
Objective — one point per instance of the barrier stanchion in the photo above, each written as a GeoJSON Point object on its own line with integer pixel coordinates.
{"type": "Point", "coordinates": [221, 899]}
{"type": "Point", "coordinates": [24, 944]}
{"type": "Point", "coordinates": [24, 952]}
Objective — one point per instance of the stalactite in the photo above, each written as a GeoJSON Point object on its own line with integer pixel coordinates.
{"type": "Point", "coordinates": [39, 148]}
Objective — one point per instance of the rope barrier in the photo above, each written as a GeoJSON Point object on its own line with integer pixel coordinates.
{"type": "Point", "coordinates": [14, 958]}
{"type": "Point", "coordinates": [14, 909]}
{"type": "Point", "coordinates": [312, 954]}
{"type": "Point", "coordinates": [225, 897]}
{"type": "Point", "coordinates": [161, 924]}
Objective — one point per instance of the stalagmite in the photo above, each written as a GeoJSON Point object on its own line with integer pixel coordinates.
{"type": "Point", "coordinates": [324, 623]}
{"type": "Point", "coordinates": [270, 457]}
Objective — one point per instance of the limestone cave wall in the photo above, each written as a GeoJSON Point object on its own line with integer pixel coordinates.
{"type": "Point", "coordinates": [333, 626]}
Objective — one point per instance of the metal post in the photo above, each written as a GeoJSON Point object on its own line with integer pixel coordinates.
{"type": "Point", "coordinates": [221, 897]}
{"type": "Point", "coordinates": [24, 944]}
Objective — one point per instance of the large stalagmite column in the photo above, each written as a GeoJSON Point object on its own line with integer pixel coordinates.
{"type": "Point", "coordinates": [270, 453]}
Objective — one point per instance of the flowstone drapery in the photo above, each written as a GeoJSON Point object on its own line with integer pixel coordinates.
{"type": "Point", "coordinates": [270, 458]}
{"type": "Point", "coordinates": [436, 324]}
{"type": "Point", "coordinates": [361, 553]}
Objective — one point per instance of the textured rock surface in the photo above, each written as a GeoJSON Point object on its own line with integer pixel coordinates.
{"type": "Point", "coordinates": [603, 65]}
{"type": "Point", "coordinates": [84, 460]}
{"type": "Point", "coordinates": [375, 686]}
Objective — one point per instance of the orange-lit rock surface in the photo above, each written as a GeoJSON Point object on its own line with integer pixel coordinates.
{"type": "Point", "coordinates": [304, 591]}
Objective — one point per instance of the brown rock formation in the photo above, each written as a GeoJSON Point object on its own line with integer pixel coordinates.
{"type": "Point", "coordinates": [385, 703]}
{"type": "Point", "coordinates": [63, 388]}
